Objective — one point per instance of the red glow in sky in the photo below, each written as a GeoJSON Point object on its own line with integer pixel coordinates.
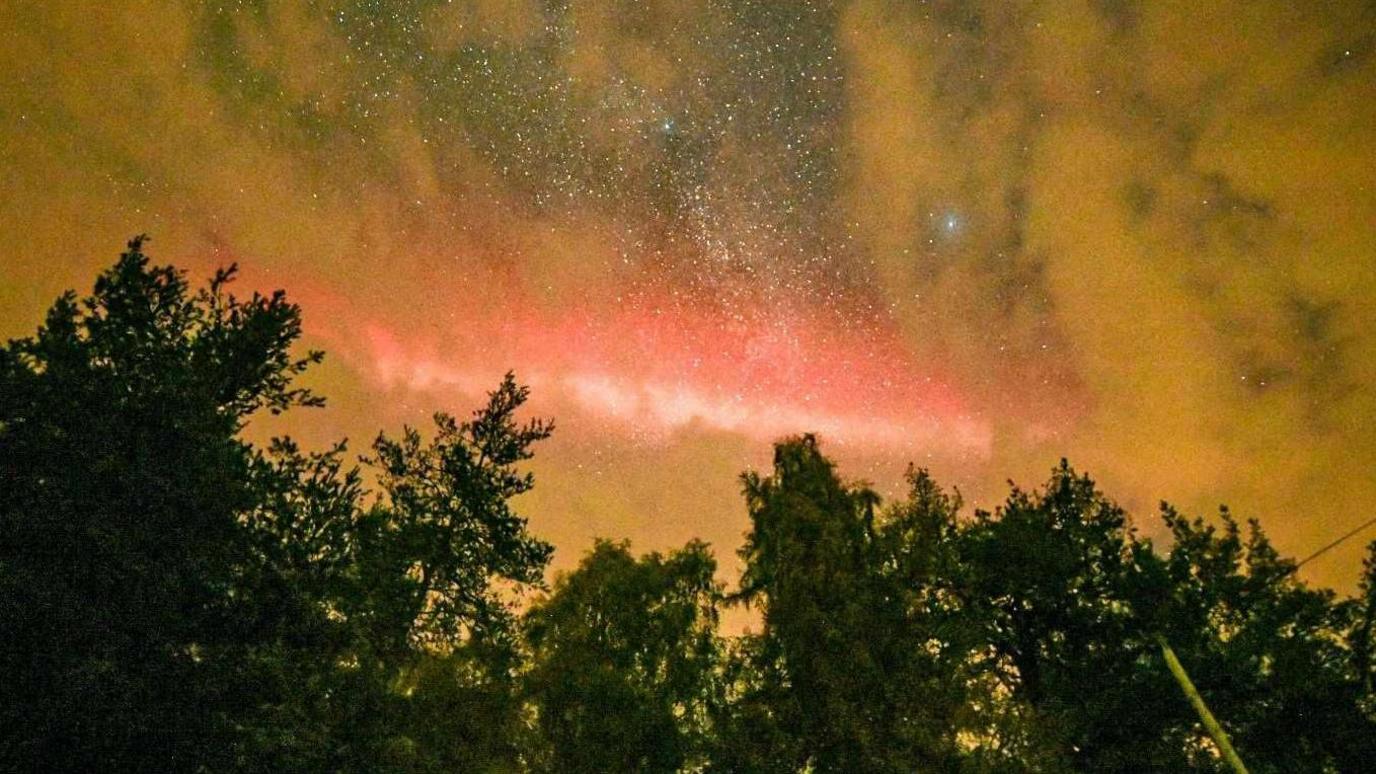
{"type": "Point", "coordinates": [978, 236]}
{"type": "Point", "coordinates": [659, 367]}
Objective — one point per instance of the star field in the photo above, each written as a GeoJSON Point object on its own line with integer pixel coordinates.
{"type": "Point", "coordinates": [974, 235]}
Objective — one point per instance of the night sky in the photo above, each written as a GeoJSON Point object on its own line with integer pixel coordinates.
{"type": "Point", "coordinates": [978, 236]}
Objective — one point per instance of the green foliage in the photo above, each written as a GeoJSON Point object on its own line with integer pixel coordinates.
{"type": "Point", "coordinates": [844, 670]}
{"type": "Point", "coordinates": [623, 661]}
{"type": "Point", "coordinates": [1275, 657]}
{"type": "Point", "coordinates": [1053, 581]}
{"type": "Point", "coordinates": [447, 513]}
{"type": "Point", "coordinates": [911, 637]}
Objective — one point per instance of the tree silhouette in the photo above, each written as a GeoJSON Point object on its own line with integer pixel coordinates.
{"type": "Point", "coordinates": [123, 488]}
{"type": "Point", "coordinates": [177, 599]}
{"type": "Point", "coordinates": [624, 659]}
{"type": "Point", "coordinates": [174, 598]}
{"type": "Point", "coordinates": [843, 673]}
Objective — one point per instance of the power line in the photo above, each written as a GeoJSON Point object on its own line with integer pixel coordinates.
{"type": "Point", "coordinates": [1335, 543]}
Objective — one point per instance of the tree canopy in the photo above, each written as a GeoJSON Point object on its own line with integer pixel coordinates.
{"type": "Point", "coordinates": [176, 598]}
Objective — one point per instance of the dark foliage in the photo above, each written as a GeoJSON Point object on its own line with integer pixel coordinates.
{"type": "Point", "coordinates": [622, 661]}
{"type": "Point", "coordinates": [176, 599]}
{"type": "Point", "coordinates": [173, 598]}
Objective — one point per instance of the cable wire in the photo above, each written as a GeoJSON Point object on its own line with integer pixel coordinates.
{"type": "Point", "coordinates": [1335, 543]}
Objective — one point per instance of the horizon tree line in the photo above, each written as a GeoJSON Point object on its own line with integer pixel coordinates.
{"type": "Point", "coordinates": [176, 598]}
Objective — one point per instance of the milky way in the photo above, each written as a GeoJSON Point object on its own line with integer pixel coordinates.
{"type": "Point", "coordinates": [974, 235]}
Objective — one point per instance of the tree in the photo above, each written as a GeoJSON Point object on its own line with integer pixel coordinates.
{"type": "Point", "coordinates": [1052, 577]}
{"type": "Point", "coordinates": [1269, 653]}
{"type": "Point", "coordinates": [123, 487]}
{"type": "Point", "coordinates": [445, 511]}
{"type": "Point", "coordinates": [956, 704]}
{"type": "Point", "coordinates": [1071, 602]}
{"type": "Point", "coordinates": [1362, 633]}
{"type": "Point", "coordinates": [174, 598]}
{"type": "Point", "coordinates": [624, 659]}
{"type": "Point", "coordinates": [843, 677]}
{"type": "Point", "coordinates": [414, 592]}
{"type": "Point", "coordinates": [911, 637]}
